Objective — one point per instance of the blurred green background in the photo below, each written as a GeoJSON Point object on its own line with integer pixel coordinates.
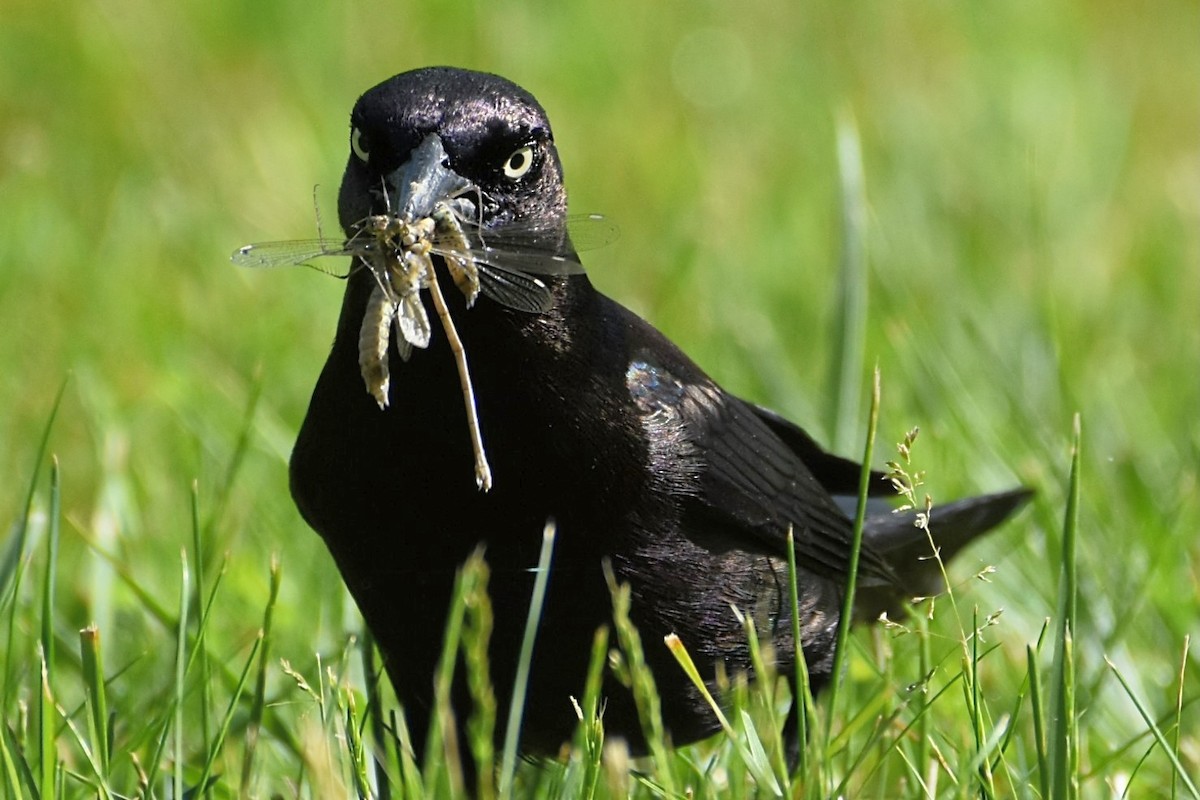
{"type": "Point", "coordinates": [1032, 174]}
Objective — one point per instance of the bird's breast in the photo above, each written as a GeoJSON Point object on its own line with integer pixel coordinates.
{"type": "Point", "coordinates": [552, 422]}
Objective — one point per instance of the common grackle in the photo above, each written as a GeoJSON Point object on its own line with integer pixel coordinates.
{"type": "Point", "coordinates": [586, 414]}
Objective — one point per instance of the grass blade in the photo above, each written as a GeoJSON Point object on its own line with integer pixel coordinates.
{"type": "Point", "coordinates": [512, 731]}
{"type": "Point", "coordinates": [358, 755]}
{"type": "Point", "coordinates": [640, 682]}
{"type": "Point", "coordinates": [442, 743]}
{"type": "Point", "coordinates": [756, 758]}
{"type": "Point", "coordinates": [97, 701]}
{"type": "Point", "coordinates": [481, 727]}
{"type": "Point", "coordinates": [803, 707]}
{"type": "Point", "coordinates": [1037, 703]}
{"type": "Point", "coordinates": [258, 702]}
{"type": "Point", "coordinates": [10, 569]}
{"type": "Point", "coordinates": [180, 672]}
{"type": "Point", "coordinates": [410, 773]}
{"type": "Point", "coordinates": [850, 324]}
{"type": "Point", "coordinates": [47, 718]}
{"type": "Point", "coordinates": [764, 685]}
{"type": "Point", "coordinates": [1063, 743]}
{"type": "Point", "coordinates": [17, 774]}
{"type": "Point", "coordinates": [51, 570]}
{"type": "Point", "coordinates": [214, 750]}
{"type": "Point", "coordinates": [847, 617]}
{"type": "Point", "coordinates": [590, 737]}
{"type": "Point", "coordinates": [373, 680]}
{"type": "Point", "coordinates": [1159, 737]}
{"type": "Point", "coordinates": [1187, 641]}
{"type": "Point", "coordinates": [983, 743]}
{"type": "Point", "coordinates": [206, 698]}
{"type": "Point", "coordinates": [47, 753]}
{"type": "Point", "coordinates": [684, 658]}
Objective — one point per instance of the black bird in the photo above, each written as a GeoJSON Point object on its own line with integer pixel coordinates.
{"type": "Point", "coordinates": [587, 414]}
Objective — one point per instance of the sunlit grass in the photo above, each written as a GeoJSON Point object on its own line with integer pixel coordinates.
{"type": "Point", "coordinates": [1026, 230]}
{"type": "Point", "coordinates": [1002, 745]}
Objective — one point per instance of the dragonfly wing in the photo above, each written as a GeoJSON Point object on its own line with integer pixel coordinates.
{"type": "Point", "coordinates": [515, 290]}
{"type": "Point", "coordinates": [299, 252]}
{"type": "Point", "coordinates": [507, 275]}
{"type": "Point", "coordinates": [534, 262]}
{"type": "Point", "coordinates": [532, 248]}
{"type": "Point", "coordinates": [591, 231]}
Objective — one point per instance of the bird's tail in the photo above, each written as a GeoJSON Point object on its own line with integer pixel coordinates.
{"type": "Point", "coordinates": [907, 550]}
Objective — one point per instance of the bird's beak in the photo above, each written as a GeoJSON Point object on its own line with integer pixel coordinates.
{"type": "Point", "coordinates": [419, 184]}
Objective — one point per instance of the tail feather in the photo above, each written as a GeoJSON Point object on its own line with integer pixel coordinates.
{"type": "Point", "coordinates": [906, 548]}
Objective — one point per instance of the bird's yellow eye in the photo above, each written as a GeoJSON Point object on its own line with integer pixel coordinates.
{"type": "Point", "coordinates": [519, 163]}
{"type": "Point", "coordinates": [358, 144]}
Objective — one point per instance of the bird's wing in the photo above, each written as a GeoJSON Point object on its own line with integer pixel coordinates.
{"type": "Point", "coordinates": [839, 476]}
{"type": "Point", "coordinates": [742, 482]}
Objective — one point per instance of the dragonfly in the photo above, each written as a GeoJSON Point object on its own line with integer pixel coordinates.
{"type": "Point", "coordinates": [508, 257]}
{"type": "Point", "coordinates": [501, 263]}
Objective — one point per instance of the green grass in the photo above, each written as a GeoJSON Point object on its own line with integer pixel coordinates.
{"type": "Point", "coordinates": [1026, 250]}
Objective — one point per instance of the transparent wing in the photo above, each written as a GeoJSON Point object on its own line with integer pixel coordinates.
{"type": "Point", "coordinates": [296, 253]}
{"type": "Point", "coordinates": [515, 290]}
{"type": "Point", "coordinates": [532, 262]}
{"type": "Point", "coordinates": [591, 231]}
{"type": "Point", "coordinates": [511, 255]}
{"type": "Point", "coordinates": [508, 256]}
{"type": "Point", "coordinates": [531, 247]}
